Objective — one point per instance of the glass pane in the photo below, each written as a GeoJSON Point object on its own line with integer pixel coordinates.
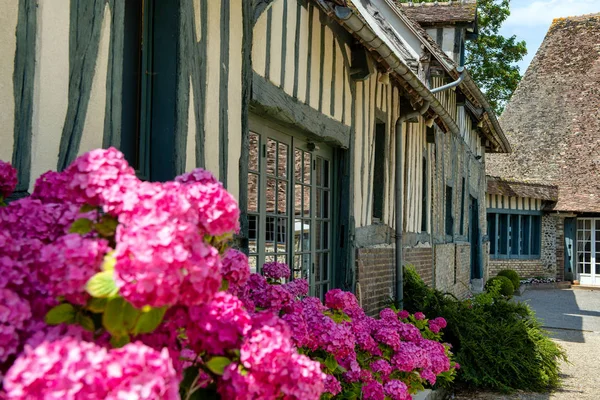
{"type": "Point", "coordinates": [271, 156]}
{"type": "Point", "coordinates": [298, 200]}
{"type": "Point", "coordinates": [252, 262]}
{"type": "Point", "coordinates": [270, 195]}
{"type": "Point", "coordinates": [253, 152]}
{"type": "Point", "coordinates": [318, 200]}
{"type": "Point", "coordinates": [252, 192]}
{"type": "Point", "coordinates": [298, 165]}
{"type": "Point", "coordinates": [587, 268]}
{"type": "Point", "coordinates": [325, 266]}
{"type": "Point", "coordinates": [492, 232]}
{"type": "Point", "coordinates": [282, 157]}
{"type": "Point", "coordinates": [282, 197]}
{"type": "Point", "coordinates": [319, 171]}
{"type": "Point", "coordinates": [326, 174]}
{"type": "Point", "coordinates": [588, 224]}
{"type": "Point", "coordinates": [525, 234]}
{"type": "Point", "coordinates": [306, 235]}
{"type": "Point", "coordinates": [536, 229]}
{"type": "Point", "coordinates": [270, 235]}
{"type": "Point", "coordinates": [580, 224]}
{"type": "Point", "coordinates": [253, 233]}
{"type": "Point", "coordinates": [325, 235]}
{"type": "Point", "coordinates": [297, 267]}
{"type": "Point", "coordinates": [306, 264]}
{"type": "Point", "coordinates": [282, 259]}
{"type": "Point", "coordinates": [269, 258]}
{"type": "Point", "coordinates": [515, 235]}
{"type": "Point", "coordinates": [307, 169]}
{"type": "Point", "coordinates": [318, 235]}
{"type": "Point", "coordinates": [282, 233]}
{"type": "Point", "coordinates": [297, 234]}
{"type": "Point", "coordinates": [318, 267]}
{"type": "Point", "coordinates": [502, 234]}
{"type": "Point", "coordinates": [326, 205]}
{"type": "Point", "coordinates": [306, 201]}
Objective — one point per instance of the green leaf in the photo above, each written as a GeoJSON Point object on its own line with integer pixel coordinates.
{"type": "Point", "coordinates": [224, 285]}
{"type": "Point", "coordinates": [97, 305]}
{"type": "Point", "coordinates": [86, 322]}
{"type": "Point", "coordinates": [149, 321]}
{"type": "Point", "coordinates": [81, 226]}
{"type": "Point", "coordinates": [86, 208]}
{"type": "Point", "coordinates": [108, 264]}
{"type": "Point", "coordinates": [102, 285]}
{"type": "Point", "coordinates": [119, 317]}
{"type": "Point", "coordinates": [62, 313]}
{"type": "Point", "coordinates": [119, 341]}
{"type": "Point", "coordinates": [331, 363]}
{"type": "Point", "coordinates": [218, 364]}
{"type": "Point", "coordinates": [107, 226]}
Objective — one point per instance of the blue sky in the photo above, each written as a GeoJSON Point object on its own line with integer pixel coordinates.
{"type": "Point", "coordinates": [530, 20]}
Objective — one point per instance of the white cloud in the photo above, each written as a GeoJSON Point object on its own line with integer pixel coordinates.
{"type": "Point", "coordinates": [542, 12]}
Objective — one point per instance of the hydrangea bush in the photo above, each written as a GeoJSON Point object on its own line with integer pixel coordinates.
{"type": "Point", "coordinates": [116, 288]}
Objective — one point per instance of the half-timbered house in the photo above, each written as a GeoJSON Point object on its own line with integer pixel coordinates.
{"type": "Point", "coordinates": [353, 139]}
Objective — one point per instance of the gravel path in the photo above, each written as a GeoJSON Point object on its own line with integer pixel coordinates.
{"type": "Point", "coordinates": [571, 318]}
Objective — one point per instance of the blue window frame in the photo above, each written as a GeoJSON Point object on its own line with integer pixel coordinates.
{"type": "Point", "coordinates": [515, 235]}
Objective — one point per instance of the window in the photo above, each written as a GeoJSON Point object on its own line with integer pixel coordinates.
{"type": "Point", "coordinates": [378, 172]}
{"type": "Point", "coordinates": [449, 212]}
{"type": "Point", "coordinates": [290, 205]}
{"type": "Point", "coordinates": [149, 87]}
{"type": "Point", "coordinates": [514, 235]}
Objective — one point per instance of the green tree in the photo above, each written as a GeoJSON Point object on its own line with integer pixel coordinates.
{"type": "Point", "coordinates": [492, 58]}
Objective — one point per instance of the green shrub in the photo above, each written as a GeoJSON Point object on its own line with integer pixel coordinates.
{"type": "Point", "coordinates": [498, 343]}
{"type": "Point", "coordinates": [505, 285]}
{"type": "Point", "coordinates": [512, 275]}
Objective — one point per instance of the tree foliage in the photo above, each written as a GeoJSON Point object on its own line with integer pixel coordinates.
{"type": "Point", "coordinates": [492, 58]}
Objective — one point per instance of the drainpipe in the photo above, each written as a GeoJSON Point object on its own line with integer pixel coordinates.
{"type": "Point", "coordinates": [399, 199]}
{"type": "Point", "coordinates": [450, 85]}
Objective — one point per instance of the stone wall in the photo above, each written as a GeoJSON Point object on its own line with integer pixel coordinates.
{"type": "Point", "coordinates": [376, 277]}
{"type": "Point", "coordinates": [453, 268]}
{"type": "Point", "coordinates": [422, 259]}
{"type": "Point", "coordinates": [560, 248]}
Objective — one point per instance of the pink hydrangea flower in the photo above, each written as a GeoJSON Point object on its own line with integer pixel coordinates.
{"type": "Point", "coordinates": [419, 316]}
{"type": "Point", "coordinates": [218, 325]}
{"type": "Point", "coordinates": [397, 390]}
{"type": "Point", "coordinates": [373, 390]}
{"type": "Point", "coordinates": [332, 385]}
{"type": "Point", "coordinates": [403, 314]}
{"type": "Point", "coordinates": [53, 187]}
{"type": "Point", "coordinates": [297, 287]}
{"type": "Point", "coordinates": [8, 179]}
{"type": "Point", "coordinates": [197, 175]}
{"type": "Point", "coordinates": [276, 270]}
{"type": "Point", "coordinates": [217, 209]}
{"type": "Point", "coordinates": [382, 367]}
{"type": "Point", "coordinates": [96, 173]}
{"type": "Point", "coordinates": [345, 301]}
{"type": "Point", "coordinates": [72, 369]}
{"type": "Point", "coordinates": [69, 263]}
{"type": "Point", "coordinates": [234, 267]}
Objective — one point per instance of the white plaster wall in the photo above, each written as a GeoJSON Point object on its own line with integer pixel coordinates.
{"type": "Point", "coordinates": [211, 140]}
{"type": "Point", "coordinates": [51, 84]}
{"type": "Point", "coordinates": [234, 149]}
{"type": "Point", "coordinates": [8, 45]}
{"type": "Point", "coordinates": [93, 128]}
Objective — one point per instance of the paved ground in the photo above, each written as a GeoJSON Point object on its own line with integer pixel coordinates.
{"type": "Point", "coordinates": [572, 317]}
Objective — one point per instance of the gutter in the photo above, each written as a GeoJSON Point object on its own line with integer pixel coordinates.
{"type": "Point", "coordinates": [359, 28]}
{"type": "Point", "coordinates": [463, 75]}
{"type": "Point", "coordinates": [398, 201]}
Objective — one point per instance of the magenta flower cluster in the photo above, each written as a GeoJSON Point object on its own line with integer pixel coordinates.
{"type": "Point", "coordinates": [8, 179]}
{"type": "Point", "coordinates": [73, 369]}
{"type": "Point", "coordinates": [151, 262]}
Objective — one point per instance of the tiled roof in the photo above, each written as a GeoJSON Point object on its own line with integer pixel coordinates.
{"type": "Point", "coordinates": [450, 12]}
{"type": "Point", "coordinates": [553, 118]}
{"type": "Point", "coordinates": [521, 189]}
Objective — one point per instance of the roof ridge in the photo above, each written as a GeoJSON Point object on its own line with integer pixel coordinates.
{"type": "Point", "coordinates": [576, 17]}
{"type": "Point", "coordinates": [435, 3]}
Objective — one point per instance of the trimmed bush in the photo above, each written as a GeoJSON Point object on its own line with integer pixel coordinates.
{"type": "Point", "coordinates": [498, 342]}
{"type": "Point", "coordinates": [506, 287]}
{"type": "Point", "coordinates": [512, 275]}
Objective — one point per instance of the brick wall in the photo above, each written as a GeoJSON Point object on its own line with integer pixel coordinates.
{"type": "Point", "coordinates": [421, 259]}
{"type": "Point", "coordinates": [525, 268]}
{"type": "Point", "coordinates": [375, 274]}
